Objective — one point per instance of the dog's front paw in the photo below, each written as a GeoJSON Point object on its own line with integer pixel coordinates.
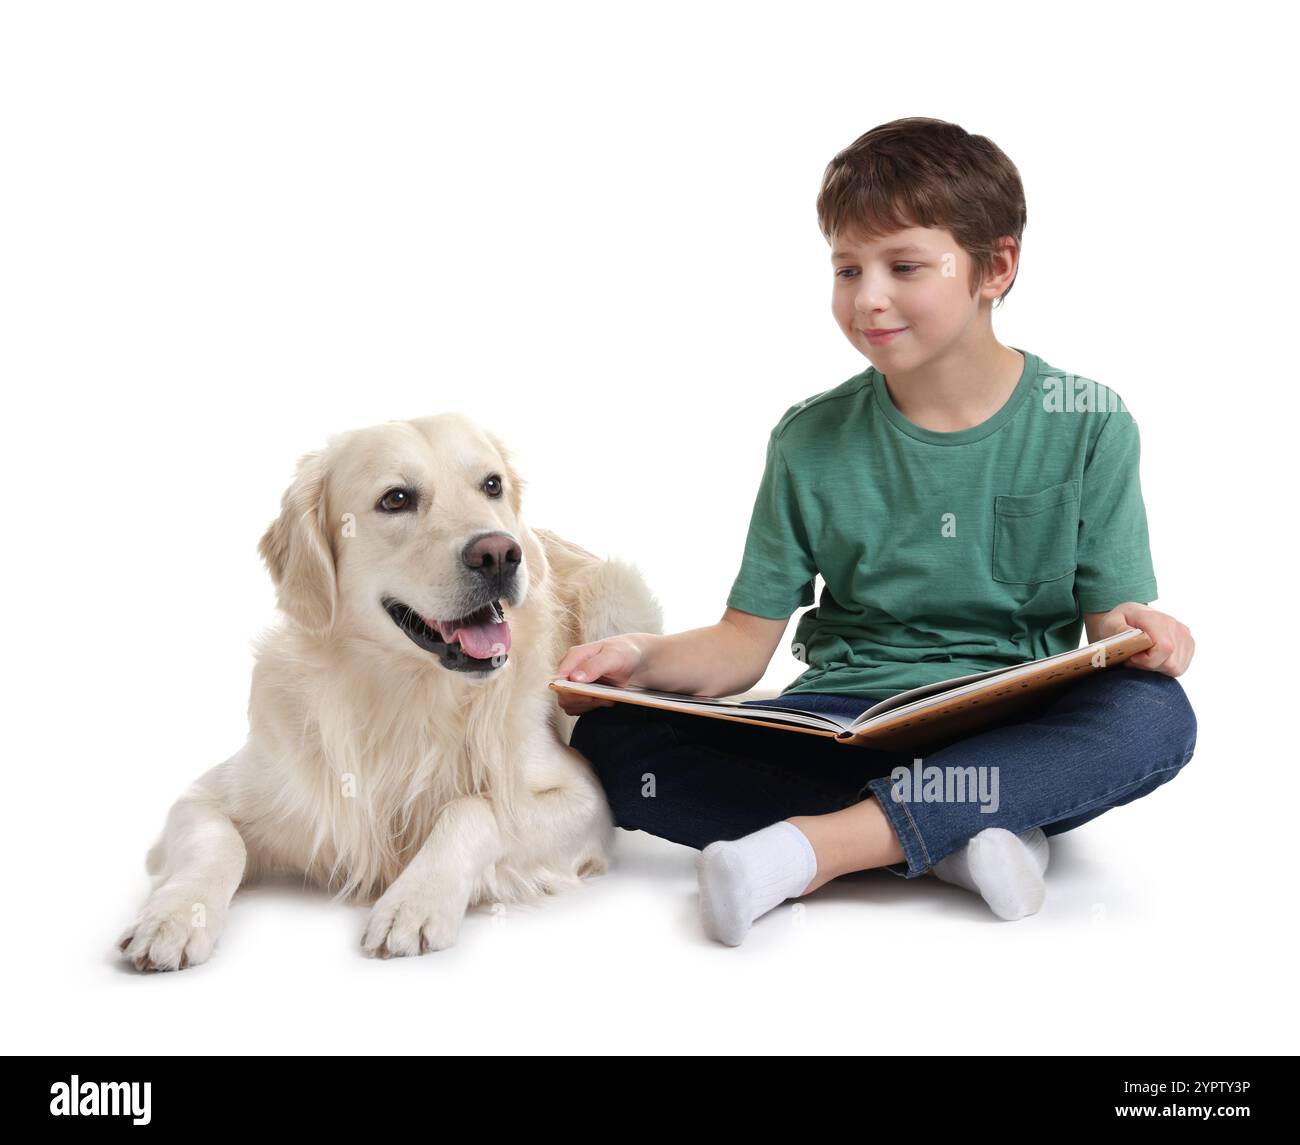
{"type": "Point", "coordinates": [406, 922]}
{"type": "Point", "coordinates": [170, 933]}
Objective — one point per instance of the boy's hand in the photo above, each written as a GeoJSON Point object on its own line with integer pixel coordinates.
{"type": "Point", "coordinates": [1172, 644]}
{"type": "Point", "coordinates": [610, 661]}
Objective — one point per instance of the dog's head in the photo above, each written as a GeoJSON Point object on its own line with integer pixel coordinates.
{"type": "Point", "coordinates": [409, 533]}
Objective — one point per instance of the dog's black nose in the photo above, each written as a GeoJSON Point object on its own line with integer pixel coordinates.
{"type": "Point", "coordinates": [494, 556]}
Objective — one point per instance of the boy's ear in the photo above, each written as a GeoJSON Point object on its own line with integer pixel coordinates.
{"type": "Point", "coordinates": [298, 551]}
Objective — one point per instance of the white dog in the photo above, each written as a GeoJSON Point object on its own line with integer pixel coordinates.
{"type": "Point", "coordinates": [403, 745]}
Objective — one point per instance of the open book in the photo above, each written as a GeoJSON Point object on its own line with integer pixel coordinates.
{"type": "Point", "coordinates": [910, 719]}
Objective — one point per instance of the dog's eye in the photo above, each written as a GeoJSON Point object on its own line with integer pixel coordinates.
{"type": "Point", "coordinates": [395, 500]}
{"type": "Point", "coordinates": [492, 486]}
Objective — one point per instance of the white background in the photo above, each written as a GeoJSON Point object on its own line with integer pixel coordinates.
{"type": "Point", "coordinates": [231, 230]}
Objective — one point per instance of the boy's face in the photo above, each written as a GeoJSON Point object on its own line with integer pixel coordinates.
{"type": "Point", "coordinates": [915, 280]}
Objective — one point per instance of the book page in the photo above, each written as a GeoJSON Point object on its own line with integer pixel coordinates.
{"type": "Point", "coordinates": [926, 690]}
{"type": "Point", "coordinates": [921, 698]}
{"type": "Point", "coordinates": [704, 705]}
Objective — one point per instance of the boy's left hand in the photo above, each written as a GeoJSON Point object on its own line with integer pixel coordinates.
{"type": "Point", "coordinates": [1172, 644]}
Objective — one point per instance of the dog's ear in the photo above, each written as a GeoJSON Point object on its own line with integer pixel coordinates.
{"type": "Point", "coordinates": [298, 551]}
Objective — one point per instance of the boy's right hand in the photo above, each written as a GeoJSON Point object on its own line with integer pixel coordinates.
{"type": "Point", "coordinates": [610, 661]}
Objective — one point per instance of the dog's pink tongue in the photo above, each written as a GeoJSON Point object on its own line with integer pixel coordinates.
{"type": "Point", "coordinates": [482, 641]}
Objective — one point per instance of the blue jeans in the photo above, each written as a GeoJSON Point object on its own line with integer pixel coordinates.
{"type": "Point", "coordinates": [1105, 740]}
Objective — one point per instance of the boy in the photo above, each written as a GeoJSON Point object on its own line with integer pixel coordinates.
{"type": "Point", "coordinates": [968, 506]}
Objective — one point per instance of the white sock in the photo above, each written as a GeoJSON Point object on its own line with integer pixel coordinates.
{"type": "Point", "coordinates": [741, 879]}
{"type": "Point", "coordinates": [1006, 870]}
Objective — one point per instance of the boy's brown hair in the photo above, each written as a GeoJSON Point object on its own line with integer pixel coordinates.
{"type": "Point", "coordinates": [919, 172]}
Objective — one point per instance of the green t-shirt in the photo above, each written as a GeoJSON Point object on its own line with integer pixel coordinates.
{"type": "Point", "coordinates": [944, 554]}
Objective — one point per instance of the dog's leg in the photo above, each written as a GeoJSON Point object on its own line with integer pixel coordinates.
{"type": "Point", "coordinates": [198, 865]}
{"type": "Point", "coordinates": [424, 907]}
{"type": "Point", "coordinates": [564, 828]}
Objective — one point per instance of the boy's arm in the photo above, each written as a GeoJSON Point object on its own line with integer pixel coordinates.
{"type": "Point", "coordinates": [1092, 626]}
{"type": "Point", "coordinates": [1114, 555]}
{"type": "Point", "coordinates": [722, 659]}
{"type": "Point", "coordinates": [1172, 648]}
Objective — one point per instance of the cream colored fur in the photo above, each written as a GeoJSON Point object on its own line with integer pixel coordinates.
{"type": "Point", "coordinates": [369, 767]}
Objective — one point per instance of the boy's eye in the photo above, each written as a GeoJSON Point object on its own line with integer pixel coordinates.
{"type": "Point", "coordinates": [902, 268]}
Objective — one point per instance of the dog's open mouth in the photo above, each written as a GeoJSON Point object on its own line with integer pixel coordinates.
{"type": "Point", "coordinates": [475, 643]}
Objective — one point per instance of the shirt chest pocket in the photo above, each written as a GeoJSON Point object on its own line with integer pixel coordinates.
{"type": "Point", "coordinates": [1036, 535]}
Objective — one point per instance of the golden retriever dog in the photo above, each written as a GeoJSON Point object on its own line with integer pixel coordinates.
{"type": "Point", "coordinates": [404, 750]}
